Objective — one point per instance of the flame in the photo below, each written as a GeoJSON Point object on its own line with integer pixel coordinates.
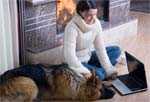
{"type": "Point", "coordinates": [65, 10]}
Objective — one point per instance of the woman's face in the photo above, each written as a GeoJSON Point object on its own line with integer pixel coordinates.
{"type": "Point", "coordinates": [89, 16]}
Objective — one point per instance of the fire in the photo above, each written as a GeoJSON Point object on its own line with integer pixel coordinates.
{"type": "Point", "coordinates": [65, 10]}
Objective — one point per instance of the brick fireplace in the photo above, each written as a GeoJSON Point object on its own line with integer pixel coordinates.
{"type": "Point", "coordinates": [42, 22]}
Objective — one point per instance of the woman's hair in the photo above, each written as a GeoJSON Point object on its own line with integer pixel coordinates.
{"type": "Point", "coordinates": [85, 5]}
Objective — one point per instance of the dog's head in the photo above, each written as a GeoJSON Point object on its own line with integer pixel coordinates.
{"type": "Point", "coordinates": [94, 81]}
{"type": "Point", "coordinates": [91, 89]}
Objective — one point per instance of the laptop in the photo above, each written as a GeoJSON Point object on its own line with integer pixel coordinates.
{"type": "Point", "coordinates": [135, 80]}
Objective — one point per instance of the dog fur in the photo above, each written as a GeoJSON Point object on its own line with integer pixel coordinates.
{"type": "Point", "coordinates": [62, 84]}
{"type": "Point", "coordinates": [66, 85]}
{"type": "Point", "coordinates": [19, 89]}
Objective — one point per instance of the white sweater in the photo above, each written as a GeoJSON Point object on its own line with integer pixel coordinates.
{"type": "Point", "coordinates": [79, 38]}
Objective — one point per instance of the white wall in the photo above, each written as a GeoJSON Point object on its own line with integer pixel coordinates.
{"type": "Point", "coordinates": [8, 31]}
{"type": "Point", "coordinates": [14, 29]}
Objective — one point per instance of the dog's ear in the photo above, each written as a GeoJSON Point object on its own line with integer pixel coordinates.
{"type": "Point", "coordinates": [95, 80]}
{"type": "Point", "coordinates": [93, 73]}
{"type": "Point", "coordinates": [92, 79]}
{"type": "Point", "coordinates": [98, 82]}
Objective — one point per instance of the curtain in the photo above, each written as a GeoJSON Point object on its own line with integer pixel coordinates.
{"type": "Point", "coordinates": [8, 35]}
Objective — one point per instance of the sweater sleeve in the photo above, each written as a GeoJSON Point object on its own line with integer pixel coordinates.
{"type": "Point", "coordinates": [101, 51]}
{"type": "Point", "coordinates": [70, 51]}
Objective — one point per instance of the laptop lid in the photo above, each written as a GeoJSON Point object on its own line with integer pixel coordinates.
{"type": "Point", "coordinates": [136, 69]}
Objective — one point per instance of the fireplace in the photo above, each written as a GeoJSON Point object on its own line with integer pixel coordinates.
{"type": "Point", "coordinates": [112, 11]}
{"type": "Point", "coordinates": [66, 9]}
{"type": "Point", "coordinates": [42, 22]}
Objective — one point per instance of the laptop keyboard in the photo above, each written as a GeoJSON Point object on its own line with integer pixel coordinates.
{"type": "Point", "coordinates": [130, 82]}
{"type": "Point", "coordinates": [122, 88]}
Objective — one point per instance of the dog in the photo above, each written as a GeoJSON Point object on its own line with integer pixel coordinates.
{"type": "Point", "coordinates": [58, 82]}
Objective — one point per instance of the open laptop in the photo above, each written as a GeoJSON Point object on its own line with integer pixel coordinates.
{"type": "Point", "coordinates": [135, 80]}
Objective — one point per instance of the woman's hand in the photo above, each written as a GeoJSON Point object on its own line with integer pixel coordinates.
{"type": "Point", "coordinates": [111, 73]}
{"type": "Point", "coordinates": [87, 75]}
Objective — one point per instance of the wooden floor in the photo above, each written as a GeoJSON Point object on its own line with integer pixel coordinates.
{"type": "Point", "coordinates": [139, 46]}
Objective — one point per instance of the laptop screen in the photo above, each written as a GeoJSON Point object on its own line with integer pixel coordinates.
{"type": "Point", "coordinates": [136, 69]}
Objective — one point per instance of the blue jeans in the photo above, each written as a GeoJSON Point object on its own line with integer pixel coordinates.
{"type": "Point", "coordinates": [113, 53]}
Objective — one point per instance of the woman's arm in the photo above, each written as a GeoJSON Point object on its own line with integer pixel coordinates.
{"type": "Point", "coordinates": [70, 51]}
{"type": "Point", "coordinates": [101, 52]}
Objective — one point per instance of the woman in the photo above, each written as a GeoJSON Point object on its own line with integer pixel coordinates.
{"type": "Point", "coordinates": [83, 31]}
